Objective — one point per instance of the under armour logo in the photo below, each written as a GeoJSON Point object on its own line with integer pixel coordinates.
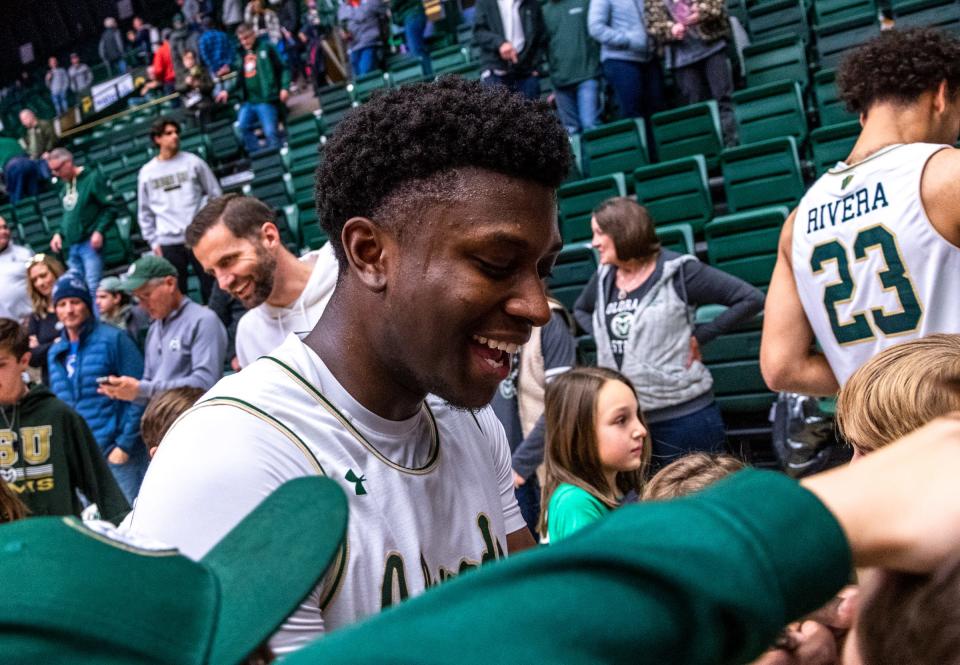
{"type": "Point", "coordinates": [358, 482]}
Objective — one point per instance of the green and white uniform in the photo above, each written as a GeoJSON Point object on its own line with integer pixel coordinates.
{"type": "Point", "coordinates": [870, 268]}
{"type": "Point", "coordinates": [430, 497]}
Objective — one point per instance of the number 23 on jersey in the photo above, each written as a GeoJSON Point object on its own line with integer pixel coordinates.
{"type": "Point", "coordinates": [864, 325]}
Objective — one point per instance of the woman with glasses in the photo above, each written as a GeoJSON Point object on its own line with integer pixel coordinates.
{"type": "Point", "coordinates": [43, 325]}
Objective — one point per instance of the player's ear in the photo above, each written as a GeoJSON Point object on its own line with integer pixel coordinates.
{"type": "Point", "coordinates": [369, 249]}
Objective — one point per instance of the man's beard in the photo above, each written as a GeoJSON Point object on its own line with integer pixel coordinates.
{"type": "Point", "coordinates": [263, 278]}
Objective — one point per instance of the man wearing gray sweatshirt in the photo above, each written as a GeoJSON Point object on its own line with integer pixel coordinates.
{"type": "Point", "coordinates": [171, 188]}
{"type": "Point", "coordinates": [186, 343]}
{"type": "Point", "coordinates": [57, 82]}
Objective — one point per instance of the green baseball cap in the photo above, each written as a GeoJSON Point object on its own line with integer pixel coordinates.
{"type": "Point", "coordinates": [144, 269]}
{"type": "Point", "coordinates": [110, 285]}
{"type": "Point", "coordinates": [81, 592]}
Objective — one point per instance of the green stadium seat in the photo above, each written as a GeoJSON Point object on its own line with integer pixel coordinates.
{"type": "Point", "coordinates": [302, 131]}
{"type": "Point", "coordinates": [301, 187]}
{"type": "Point", "coordinates": [406, 70]}
{"type": "Point", "coordinates": [30, 224]}
{"type": "Point", "coordinates": [468, 70]}
{"type": "Point", "coordinates": [770, 111]}
{"type": "Point", "coordinates": [745, 244]}
{"type": "Point", "coordinates": [829, 11]}
{"type": "Point", "coordinates": [576, 166]}
{"type": "Point", "coordinates": [586, 351]}
{"type": "Point", "coordinates": [676, 191]}
{"type": "Point", "coordinates": [449, 58]}
{"type": "Point", "coordinates": [223, 143]}
{"type": "Point", "coordinates": [333, 94]}
{"type": "Point", "coordinates": [941, 14]}
{"type": "Point", "coordinates": [330, 115]}
{"type": "Point", "coordinates": [778, 59]}
{"type": "Point", "coordinates": [688, 130]}
{"type": "Point", "coordinates": [762, 174]}
{"type": "Point", "coordinates": [301, 159]}
{"type": "Point", "coordinates": [617, 147]}
{"type": "Point", "coordinates": [738, 9]}
{"type": "Point", "coordinates": [312, 236]}
{"type": "Point", "coordinates": [361, 88]}
{"type": "Point", "coordinates": [777, 18]}
{"type": "Point", "coordinates": [116, 250]}
{"type": "Point", "coordinates": [576, 201]}
{"type": "Point", "coordinates": [676, 237]}
{"type": "Point", "coordinates": [833, 144]}
{"type": "Point", "coordinates": [274, 192]}
{"type": "Point", "coordinates": [267, 165]}
{"type": "Point", "coordinates": [829, 105]}
{"type": "Point", "coordinates": [576, 264]}
{"type": "Point", "coordinates": [834, 39]}
{"type": "Point", "coordinates": [734, 362]}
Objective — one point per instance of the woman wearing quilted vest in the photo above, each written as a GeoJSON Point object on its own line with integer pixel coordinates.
{"type": "Point", "coordinates": [86, 351]}
{"type": "Point", "coordinates": [640, 307]}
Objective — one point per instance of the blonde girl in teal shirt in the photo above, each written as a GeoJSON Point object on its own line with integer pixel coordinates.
{"type": "Point", "coordinates": [597, 448]}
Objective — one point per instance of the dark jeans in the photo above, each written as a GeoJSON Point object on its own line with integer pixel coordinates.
{"type": "Point", "coordinates": [710, 78]}
{"type": "Point", "coordinates": [528, 496]}
{"type": "Point", "coordinates": [181, 256]}
{"type": "Point", "coordinates": [700, 431]}
{"type": "Point", "coordinates": [528, 86]}
{"type": "Point", "coordinates": [23, 176]}
{"type": "Point", "coordinates": [638, 86]}
{"type": "Point", "coordinates": [363, 61]}
{"type": "Point", "coordinates": [413, 28]}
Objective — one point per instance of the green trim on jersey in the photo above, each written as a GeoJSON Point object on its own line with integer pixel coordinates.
{"type": "Point", "coordinates": [340, 565]}
{"type": "Point", "coordinates": [878, 153]}
{"type": "Point", "coordinates": [335, 412]}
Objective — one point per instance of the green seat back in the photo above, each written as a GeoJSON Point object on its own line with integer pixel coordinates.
{"type": "Point", "coordinates": [927, 13]}
{"type": "Point", "coordinates": [836, 38]}
{"type": "Point", "coordinates": [407, 70]}
{"type": "Point", "coordinates": [116, 244]}
{"type": "Point", "coordinates": [833, 144]}
{"type": "Point", "coordinates": [576, 201]}
{"type": "Point", "coordinates": [770, 111]}
{"type": "Point", "coordinates": [745, 244]}
{"type": "Point", "coordinates": [576, 264]}
{"type": "Point", "coordinates": [677, 238]}
{"type": "Point", "coordinates": [303, 131]}
{"type": "Point", "coordinates": [828, 11]}
{"type": "Point", "coordinates": [330, 116]}
{"type": "Point", "coordinates": [778, 59]}
{"type": "Point", "coordinates": [777, 18]}
{"type": "Point", "coordinates": [448, 58]}
{"type": "Point", "coordinates": [675, 191]}
{"type": "Point", "coordinates": [312, 236]}
{"type": "Point", "coordinates": [688, 130]}
{"type": "Point", "coordinates": [617, 147]}
{"type": "Point", "coordinates": [333, 94]}
{"type": "Point", "coordinates": [829, 105]}
{"type": "Point", "coordinates": [361, 88]}
{"type": "Point", "coordinates": [762, 174]}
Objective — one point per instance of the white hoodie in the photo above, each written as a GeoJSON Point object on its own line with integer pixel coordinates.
{"type": "Point", "coordinates": [263, 328]}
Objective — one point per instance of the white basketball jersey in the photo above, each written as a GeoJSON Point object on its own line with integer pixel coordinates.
{"type": "Point", "coordinates": [430, 497]}
{"type": "Point", "coordinates": [870, 269]}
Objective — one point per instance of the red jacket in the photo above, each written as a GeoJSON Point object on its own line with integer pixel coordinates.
{"type": "Point", "coordinates": [163, 64]}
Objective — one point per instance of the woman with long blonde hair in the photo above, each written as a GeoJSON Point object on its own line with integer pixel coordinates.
{"type": "Point", "coordinates": [43, 325]}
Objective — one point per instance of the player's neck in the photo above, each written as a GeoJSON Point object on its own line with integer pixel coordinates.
{"type": "Point", "coordinates": [887, 125]}
{"type": "Point", "coordinates": [342, 340]}
{"type": "Point", "coordinates": [289, 279]}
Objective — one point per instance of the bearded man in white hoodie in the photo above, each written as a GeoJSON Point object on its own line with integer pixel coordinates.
{"type": "Point", "coordinates": [171, 188]}
{"type": "Point", "coordinates": [236, 240]}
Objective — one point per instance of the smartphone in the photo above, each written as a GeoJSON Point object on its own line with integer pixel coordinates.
{"type": "Point", "coordinates": [103, 379]}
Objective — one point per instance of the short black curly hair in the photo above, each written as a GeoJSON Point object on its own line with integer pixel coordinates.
{"type": "Point", "coordinates": [899, 66]}
{"type": "Point", "coordinates": [424, 131]}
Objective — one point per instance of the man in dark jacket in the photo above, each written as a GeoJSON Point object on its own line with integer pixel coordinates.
{"type": "Point", "coordinates": [263, 83]}
{"type": "Point", "coordinates": [512, 40]}
{"type": "Point", "coordinates": [111, 47]}
{"type": "Point", "coordinates": [574, 59]}
{"type": "Point", "coordinates": [47, 451]}
{"type": "Point", "coordinates": [78, 361]}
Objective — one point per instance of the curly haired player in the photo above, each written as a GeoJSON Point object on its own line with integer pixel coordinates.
{"type": "Point", "coordinates": [871, 256]}
{"type": "Point", "coordinates": [439, 202]}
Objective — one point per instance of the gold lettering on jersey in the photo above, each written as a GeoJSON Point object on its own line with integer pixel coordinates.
{"type": "Point", "coordinates": [36, 443]}
{"type": "Point", "coordinates": [8, 452]}
{"type": "Point", "coordinates": [394, 586]}
{"type": "Point", "coordinates": [851, 206]}
{"type": "Point", "coordinates": [40, 485]}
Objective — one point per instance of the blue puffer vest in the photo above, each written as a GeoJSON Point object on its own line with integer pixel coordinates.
{"type": "Point", "coordinates": [103, 350]}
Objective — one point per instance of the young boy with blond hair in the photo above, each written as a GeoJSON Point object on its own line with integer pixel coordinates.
{"type": "Point", "coordinates": [898, 390]}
